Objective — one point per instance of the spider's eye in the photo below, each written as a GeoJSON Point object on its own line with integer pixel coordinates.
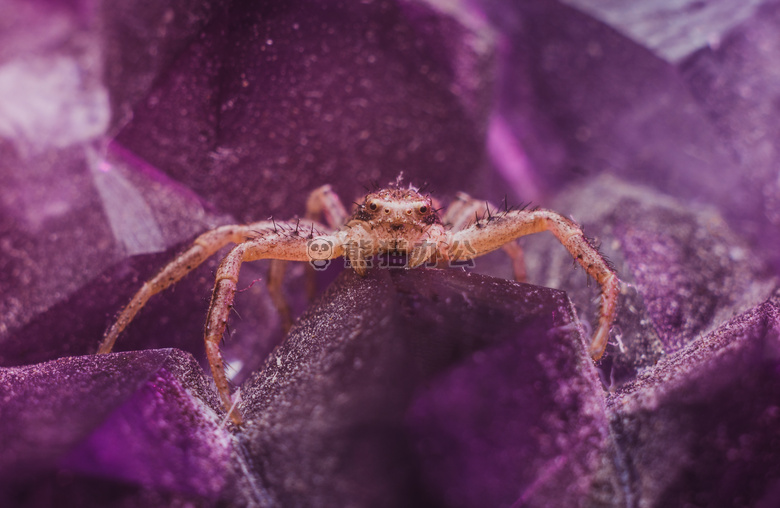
{"type": "Point", "coordinates": [423, 209]}
{"type": "Point", "coordinates": [373, 206]}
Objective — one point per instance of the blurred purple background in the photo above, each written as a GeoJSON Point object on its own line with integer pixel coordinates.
{"type": "Point", "coordinates": [127, 128]}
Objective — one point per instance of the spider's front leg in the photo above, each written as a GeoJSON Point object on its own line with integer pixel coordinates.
{"type": "Point", "coordinates": [283, 244]}
{"type": "Point", "coordinates": [493, 232]}
{"type": "Point", "coordinates": [204, 246]}
{"type": "Point", "coordinates": [201, 249]}
{"type": "Point", "coordinates": [464, 210]}
{"type": "Point", "coordinates": [322, 203]}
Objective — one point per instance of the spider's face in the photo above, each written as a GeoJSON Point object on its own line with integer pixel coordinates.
{"type": "Point", "coordinates": [397, 211]}
{"type": "Point", "coordinates": [397, 220]}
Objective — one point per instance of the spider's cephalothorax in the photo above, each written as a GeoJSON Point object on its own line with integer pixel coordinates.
{"type": "Point", "coordinates": [390, 220]}
{"type": "Point", "coordinates": [397, 208]}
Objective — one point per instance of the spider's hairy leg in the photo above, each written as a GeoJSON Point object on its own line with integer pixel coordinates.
{"type": "Point", "coordinates": [486, 235]}
{"type": "Point", "coordinates": [274, 281]}
{"type": "Point", "coordinates": [281, 244]}
{"type": "Point", "coordinates": [201, 249]}
{"type": "Point", "coordinates": [463, 210]}
{"type": "Point", "coordinates": [359, 246]}
{"type": "Point", "coordinates": [322, 203]}
{"type": "Point", "coordinates": [515, 253]}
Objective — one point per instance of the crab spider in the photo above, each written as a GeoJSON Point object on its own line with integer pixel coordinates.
{"type": "Point", "coordinates": [390, 220]}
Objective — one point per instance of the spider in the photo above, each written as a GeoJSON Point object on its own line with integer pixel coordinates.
{"type": "Point", "coordinates": [390, 221]}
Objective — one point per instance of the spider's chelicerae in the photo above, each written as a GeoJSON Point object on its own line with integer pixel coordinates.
{"type": "Point", "coordinates": [394, 221]}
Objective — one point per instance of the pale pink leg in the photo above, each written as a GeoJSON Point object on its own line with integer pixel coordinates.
{"type": "Point", "coordinates": [274, 282]}
{"type": "Point", "coordinates": [201, 249]}
{"type": "Point", "coordinates": [280, 245]}
{"type": "Point", "coordinates": [465, 210]}
{"type": "Point", "coordinates": [486, 235]}
{"type": "Point", "coordinates": [322, 203]}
